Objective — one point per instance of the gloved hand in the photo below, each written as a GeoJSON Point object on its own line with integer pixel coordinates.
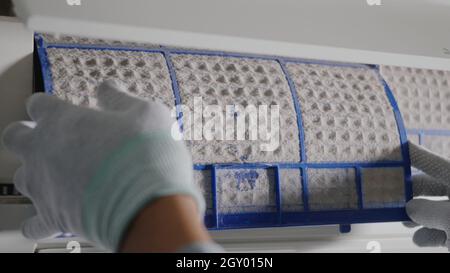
{"type": "Point", "coordinates": [434, 216]}
{"type": "Point", "coordinates": [90, 171]}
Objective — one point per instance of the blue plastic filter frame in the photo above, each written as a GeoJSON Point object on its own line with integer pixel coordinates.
{"type": "Point", "coordinates": [421, 133]}
{"type": "Point", "coordinates": [217, 220]}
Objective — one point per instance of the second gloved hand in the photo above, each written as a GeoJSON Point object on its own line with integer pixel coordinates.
{"type": "Point", "coordinates": [90, 171]}
{"type": "Point", "coordinates": [433, 216]}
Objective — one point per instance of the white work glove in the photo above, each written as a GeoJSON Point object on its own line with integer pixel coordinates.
{"type": "Point", "coordinates": [90, 171]}
{"type": "Point", "coordinates": [433, 216]}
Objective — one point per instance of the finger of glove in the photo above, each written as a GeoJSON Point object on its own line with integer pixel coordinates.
{"type": "Point", "coordinates": [430, 214]}
{"type": "Point", "coordinates": [430, 163]}
{"type": "Point", "coordinates": [410, 224]}
{"type": "Point", "coordinates": [42, 106]}
{"type": "Point", "coordinates": [20, 182]}
{"type": "Point", "coordinates": [428, 237]}
{"type": "Point", "coordinates": [35, 228]}
{"type": "Point", "coordinates": [425, 185]}
{"type": "Point", "coordinates": [111, 97]}
{"type": "Point", "coordinates": [17, 137]}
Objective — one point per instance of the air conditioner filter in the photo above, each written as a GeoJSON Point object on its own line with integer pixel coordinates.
{"type": "Point", "coordinates": [342, 157]}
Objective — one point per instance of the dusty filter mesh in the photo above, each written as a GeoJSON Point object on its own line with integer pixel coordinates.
{"type": "Point", "coordinates": [347, 116]}
{"type": "Point", "coordinates": [238, 81]}
{"type": "Point", "coordinates": [340, 144]}
{"type": "Point", "coordinates": [423, 96]}
{"type": "Point", "coordinates": [80, 71]}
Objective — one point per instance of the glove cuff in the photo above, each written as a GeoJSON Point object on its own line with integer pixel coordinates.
{"type": "Point", "coordinates": [145, 168]}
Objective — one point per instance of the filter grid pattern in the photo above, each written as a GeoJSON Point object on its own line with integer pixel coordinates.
{"type": "Point", "coordinates": [346, 114]}
{"type": "Point", "coordinates": [423, 96]}
{"type": "Point", "coordinates": [222, 81]}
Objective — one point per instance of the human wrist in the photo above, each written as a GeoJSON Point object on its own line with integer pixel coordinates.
{"type": "Point", "coordinates": [141, 170]}
{"type": "Point", "coordinates": [166, 224]}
